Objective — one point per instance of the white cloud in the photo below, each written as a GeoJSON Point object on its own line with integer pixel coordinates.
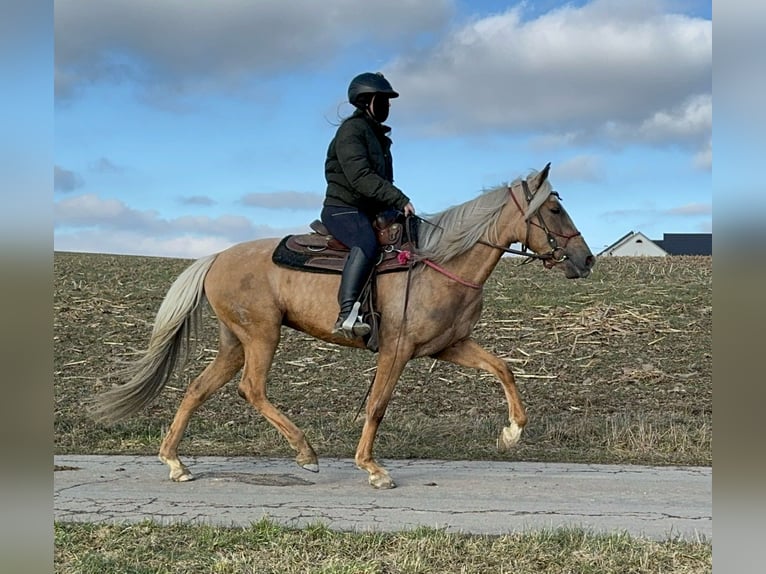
{"type": "Point", "coordinates": [688, 124]}
{"type": "Point", "coordinates": [176, 45]}
{"type": "Point", "coordinates": [692, 119]}
{"type": "Point", "coordinates": [651, 215]}
{"type": "Point", "coordinates": [615, 70]}
{"type": "Point", "coordinates": [88, 220]}
{"type": "Point", "coordinates": [577, 72]}
{"type": "Point", "coordinates": [125, 242]}
{"type": "Point", "coordinates": [691, 209]}
{"type": "Point", "coordinates": [89, 210]}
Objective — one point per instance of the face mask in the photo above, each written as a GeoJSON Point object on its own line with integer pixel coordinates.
{"type": "Point", "coordinates": [379, 107]}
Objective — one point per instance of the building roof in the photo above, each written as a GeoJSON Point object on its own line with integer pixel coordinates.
{"type": "Point", "coordinates": [634, 243]}
{"type": "Point", "coordinates": [670, 244]}
{"type": "Point", "coordinates": [686, 243]}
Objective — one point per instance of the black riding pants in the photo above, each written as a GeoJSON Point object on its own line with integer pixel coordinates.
{"type": "Point", "coordinates": [351, 227]}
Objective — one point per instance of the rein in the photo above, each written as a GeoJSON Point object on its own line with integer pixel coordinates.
{"type": "Point", "coordinates": [405, 257]}
{"type": "Point", "coordinates": [450, 274]}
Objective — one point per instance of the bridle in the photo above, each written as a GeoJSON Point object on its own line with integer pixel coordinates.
{"type": "Point", "coordinates": [557, 254]}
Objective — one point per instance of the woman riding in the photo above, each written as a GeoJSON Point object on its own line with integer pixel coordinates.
{"type": "Point", "coordinates": [359, 174]}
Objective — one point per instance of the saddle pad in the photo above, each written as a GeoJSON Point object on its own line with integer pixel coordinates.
{"type": "Point", "coordinates": [285, 257]}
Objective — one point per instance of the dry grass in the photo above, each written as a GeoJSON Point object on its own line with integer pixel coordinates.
{"type": "Point", "coordinates": [614, 368]}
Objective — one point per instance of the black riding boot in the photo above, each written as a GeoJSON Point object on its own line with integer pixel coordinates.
{"type": "Point", "coordinates": [355, 273]}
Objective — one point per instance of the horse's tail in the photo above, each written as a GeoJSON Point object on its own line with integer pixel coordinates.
{"type": "Point", "coordinates": [178, 317]}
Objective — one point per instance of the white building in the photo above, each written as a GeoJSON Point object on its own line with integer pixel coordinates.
{"type": "Point", "coordinates": [634, 244]}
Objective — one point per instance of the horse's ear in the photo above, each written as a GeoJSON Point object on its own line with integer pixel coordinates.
{"type": "Point", "coordinates": [544, 174]}
{"type": "Point", "coordinates": [540, 177]}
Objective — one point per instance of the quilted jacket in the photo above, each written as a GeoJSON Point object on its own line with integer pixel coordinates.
{"type": "Point", "coordinates": [359, 167]}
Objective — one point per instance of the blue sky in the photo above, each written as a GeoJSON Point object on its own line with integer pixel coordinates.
{"type": "Point", "coordinates": [184, 127]}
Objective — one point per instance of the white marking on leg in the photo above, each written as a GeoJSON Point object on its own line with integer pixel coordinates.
{"type": "Point", "coordinates": [509, 437]}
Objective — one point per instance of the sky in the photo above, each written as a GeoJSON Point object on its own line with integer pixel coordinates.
{"type": "Point", "coordinates": [182, 128]}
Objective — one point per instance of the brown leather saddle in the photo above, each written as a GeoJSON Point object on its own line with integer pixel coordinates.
{"type": "Point", "coordinates": [320, 252]}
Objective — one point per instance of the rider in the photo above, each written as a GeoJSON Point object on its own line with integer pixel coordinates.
{"type": "Point", "coordinates": [359, 174]}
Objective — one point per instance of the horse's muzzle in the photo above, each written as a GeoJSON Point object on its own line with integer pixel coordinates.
{"type": "Point", "coordinates": [579, 267]}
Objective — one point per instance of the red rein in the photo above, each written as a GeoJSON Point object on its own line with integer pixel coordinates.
{"type": "Point", "coordinates": [404, 257]}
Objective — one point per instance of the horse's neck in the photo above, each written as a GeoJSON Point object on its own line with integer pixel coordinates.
{"type": "Point", "coordinates": [475, 265]}
{"type": "Point", "coordinates": [478, 263]}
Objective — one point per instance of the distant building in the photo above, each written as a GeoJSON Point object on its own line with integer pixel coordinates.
{"type": "Point", "coordinates": [687, 243]}
{"type": "Point", "coordinates": [636, 244]}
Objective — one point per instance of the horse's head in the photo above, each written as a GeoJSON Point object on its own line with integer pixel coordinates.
{"type": "Point", "coordinates": [550, 232]}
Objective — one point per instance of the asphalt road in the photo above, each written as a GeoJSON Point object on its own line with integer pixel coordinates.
{"type": "Point", "coordinates": [463, 496]}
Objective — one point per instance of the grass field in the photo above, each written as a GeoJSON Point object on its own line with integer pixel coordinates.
{"type": "Point", "coordinates": [267, 548]}
{"type": "Point", "coordinates": [616, 368]}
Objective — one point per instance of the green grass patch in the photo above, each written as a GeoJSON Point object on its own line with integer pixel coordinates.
{"type": "Point", "coordinates": [266, 547]}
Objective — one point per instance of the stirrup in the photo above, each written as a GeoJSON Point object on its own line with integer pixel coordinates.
{"type": "Point", "coordinates": [352, 326]}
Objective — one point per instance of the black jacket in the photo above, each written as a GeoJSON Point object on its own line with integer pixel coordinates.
{"type": "Point", "coordinates": [359, 168]}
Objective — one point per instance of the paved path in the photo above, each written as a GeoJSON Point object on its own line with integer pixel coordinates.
{"type": "Point", "coordinates": [477, 497]}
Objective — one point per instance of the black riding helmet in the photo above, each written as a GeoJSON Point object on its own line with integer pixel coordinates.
{"type": "Point", "coordinates": [369, 83]}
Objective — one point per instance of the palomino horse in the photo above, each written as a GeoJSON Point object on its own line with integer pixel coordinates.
{"type": "Point", "coordinates": [252, 298]}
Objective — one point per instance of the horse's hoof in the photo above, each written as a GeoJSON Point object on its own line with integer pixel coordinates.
{"type": "Point", "coordinates": [178, 470]}
{"type": "Point", "coordinates": [382, 481]}
{"type": "Point", "coordinates": [509, 438]}
{"type": "Point", "coordinates": [308, 461]}
{"type": "Point", "coordinates": [184, 476]}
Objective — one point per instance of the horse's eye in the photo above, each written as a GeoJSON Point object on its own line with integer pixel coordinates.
{"type": "Point", "coordinates": [555, 210]}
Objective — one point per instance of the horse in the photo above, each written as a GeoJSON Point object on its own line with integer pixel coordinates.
{"type": "Point", "coordinates": [430, 311]}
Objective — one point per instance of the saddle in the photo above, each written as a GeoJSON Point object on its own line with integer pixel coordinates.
{"type": "Point", "coordinates": [320, 252]}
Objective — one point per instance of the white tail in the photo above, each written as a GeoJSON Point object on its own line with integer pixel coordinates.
{"type": "Point", "coordinates": [178, 317]}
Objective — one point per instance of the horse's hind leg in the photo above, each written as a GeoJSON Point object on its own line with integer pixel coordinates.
{"type": "Point", "coordinates": [227, 362]}
{"type": "Point", "coordinates": [468, 353]}
{"type": "Point", "coordinates": [258, 356]}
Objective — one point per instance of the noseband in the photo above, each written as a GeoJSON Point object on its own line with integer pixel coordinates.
{"type": "Point", "coordinates": [557, 253]}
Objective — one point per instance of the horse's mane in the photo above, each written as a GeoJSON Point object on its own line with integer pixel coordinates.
{"type": "Point", "coordinates": [454, 231]}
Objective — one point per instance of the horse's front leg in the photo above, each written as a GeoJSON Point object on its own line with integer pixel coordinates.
{"type": "Point", "coordinates": [468, 353]}
{"type": "Point", "coordinates": [387, 374]}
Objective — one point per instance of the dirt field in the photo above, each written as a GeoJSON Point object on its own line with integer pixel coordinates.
{"type": "Point", "coordinates": [613, 368]}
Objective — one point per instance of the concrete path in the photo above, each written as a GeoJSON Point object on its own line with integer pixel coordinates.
{"type": "Point", "coordinates": [476, 497]}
